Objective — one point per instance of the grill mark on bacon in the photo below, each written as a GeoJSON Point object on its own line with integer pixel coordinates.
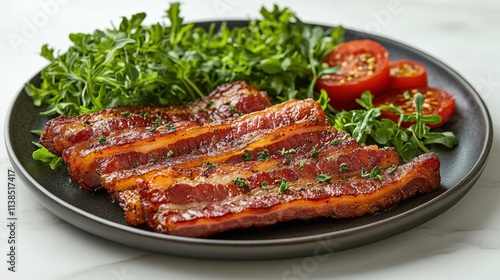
{"type": "Point", "coordinates": [228, 101]}
{"type": "Point", "coordinates": [83, 159]}
{"type": "Point", "coordinates": [355, 197]}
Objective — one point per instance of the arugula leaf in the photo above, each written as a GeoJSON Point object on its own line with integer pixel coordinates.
{"type": "Point", "coordinates": [175, 63]}
{"type": "Point", "coordinates": [445, 138]}
{"type": "Point", "coordinates": [364, 126]}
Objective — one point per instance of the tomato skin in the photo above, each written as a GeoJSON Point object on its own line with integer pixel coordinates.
{"type": "Point", "coordinates": [407, 74]}
{"type": "Point", "coordinates": [437, 102]}
{"type": "Point", "coordinates": [364, 65]}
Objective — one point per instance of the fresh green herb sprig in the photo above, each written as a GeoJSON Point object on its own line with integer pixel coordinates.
{"type": "Point", "coordinates": [324, 178]}
{"type": "Point", "coordinates": [283, 187]}
{"type": "Point", "coordinates": [134, 63]}
{"type": "Point", "coordinates": [263, 155]}
{"type": "Point", "coordinates": [375, 173]}
{"type": "Point", "coordinates": [364, 125]}
{"type": "Point", "coordinates": [44, 155]}
{"type": "Point", "coordinates": [242, 183]}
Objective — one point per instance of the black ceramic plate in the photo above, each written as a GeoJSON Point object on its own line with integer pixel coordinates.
{"type": "Point", "coordinates": [93, 212]}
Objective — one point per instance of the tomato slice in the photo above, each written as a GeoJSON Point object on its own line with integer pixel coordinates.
{"type": "Point", "coordinates": [364, 65]}
{"type": "Point", "coordinates": [407, 74]}
{"type": "Point", "coordinates": [437, 102]}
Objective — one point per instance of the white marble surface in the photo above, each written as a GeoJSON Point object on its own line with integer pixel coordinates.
{"type": "Point", "coordinates": [462, 243]}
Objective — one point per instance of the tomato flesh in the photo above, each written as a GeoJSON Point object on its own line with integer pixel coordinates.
{"type": "Point", "coordinates": [437, 102]}
{"type": "Point", "coordinates": [407, 74]}
{"type": "Point", "coordinates": [364, 65]}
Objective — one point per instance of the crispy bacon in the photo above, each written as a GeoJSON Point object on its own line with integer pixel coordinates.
{"type": "Point", "coordinates": [289, 137]}
{"type": "Point", "coordinates": [289, 145]}
{"type": "Point", "coordinates": [226, 101]}
{"type": "Point", "coordinates": [190, 141]}
{"type": "Point", "coordinates": [218, 202]}
{"type": "Point", "coordinates": [231, 161]}
{"type": "Point", "coordinates": [303, 134]}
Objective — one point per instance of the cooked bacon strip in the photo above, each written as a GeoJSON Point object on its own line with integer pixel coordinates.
{"type": "Point", "coordinates": [308, 135]}
{"type": "Point", "coordinates": [182, 186]}
{"type": "Point", "coordinates": [184, 139]}
{"type": "Point", "coordinates": [303, 196]}
{"type": "Point", "coordinates": [282, 146]}
{"type": "Point", "coordinates": [226, 101]}
{"type": "Point", "coordinates": [130, 202]}
{"type": "Point", "coordinates": [303, 136]}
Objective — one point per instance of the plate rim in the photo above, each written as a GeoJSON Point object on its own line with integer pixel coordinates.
{"type": "Point", "coordinates": [456, 193]}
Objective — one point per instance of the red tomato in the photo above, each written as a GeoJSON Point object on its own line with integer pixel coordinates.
{"type": "Point", "coordinates": [407, 74]}
{"type": "Point", "coordinates": [437, 102]}
{"type": "Point", "coordinates": [364, 65]}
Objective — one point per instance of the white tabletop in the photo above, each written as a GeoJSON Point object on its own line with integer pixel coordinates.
{"type": "Point", "coordinates": [462, 243]}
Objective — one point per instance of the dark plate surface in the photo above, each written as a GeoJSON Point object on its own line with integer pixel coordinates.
{"type": "Point", "coordinates": [93, 212]}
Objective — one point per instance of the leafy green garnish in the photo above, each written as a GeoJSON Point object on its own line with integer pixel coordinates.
{"type": "Point", "coordinates": [263, 155]}
{"type": "Point", "coordinates": [322, 178]}
{"type": "Point", "coordinates": [343, 166]}
{"type": "Point", "coordinates": [44, 155]}
{"type": "Point", "coordinates": [364, 125]}
{"type": "Point", "coordinates": [392, 169]}
{"type": "Point", "coordinates": [284, 152]}
{"type": "Point", "coordinates": [175, 63]}
{"type": "Point", "coordinates": [283, 187]}
{"type": "Point", "coordinates": [314, 152]}
{"type": "Point", "coordinates": [241, 183]}
{"type": "Point", "coordinates": [37, 132]}
{"type": "Point", "coordinates": [301, 165]}
{"type": "Point", "coordinates": [247, 155]}
{"type": "Point", "coordinates": [376, 172]}
{"type": "Point", "coordinates": [102, 140]}
{"type": "Point", "coordinates": [364, 173]}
